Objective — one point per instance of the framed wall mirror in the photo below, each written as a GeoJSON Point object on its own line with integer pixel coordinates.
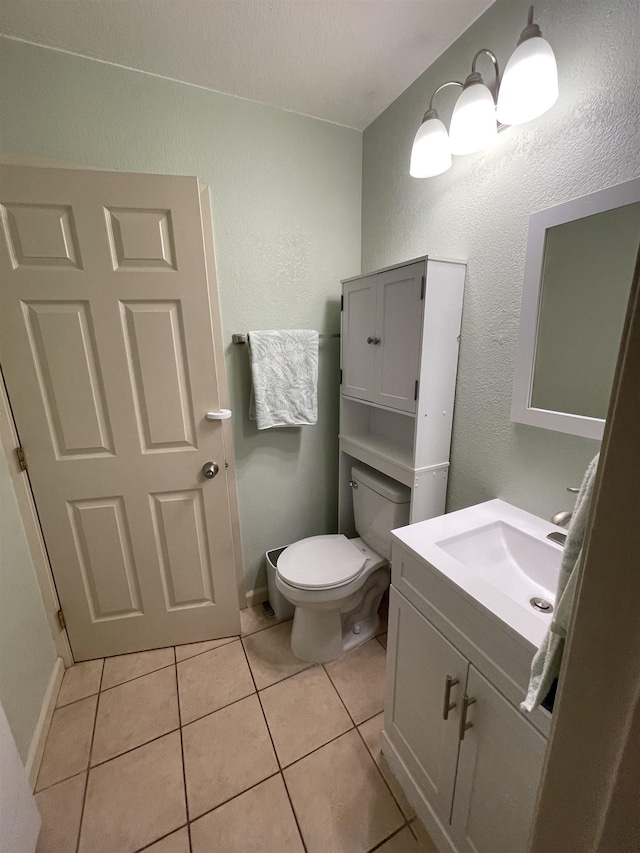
{"type": "Point", "coordinates": [579, 265]}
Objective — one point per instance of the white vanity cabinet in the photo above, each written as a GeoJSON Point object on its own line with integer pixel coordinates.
{"type": "Point", "coordinates": [474, 786]}
{"type": "Point", "coordinates": [399, 355]}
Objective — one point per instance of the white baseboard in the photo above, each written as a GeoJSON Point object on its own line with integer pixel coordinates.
{"type": "Point", "coordinates": [257, 596]}
{"type": "Point", "coordinates": [32, 764]}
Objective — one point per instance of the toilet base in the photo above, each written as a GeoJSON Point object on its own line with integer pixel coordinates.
{"type": "Point", "coordinates": [317, 636]}
{"type": "Point", "coordinates": [320, 635]}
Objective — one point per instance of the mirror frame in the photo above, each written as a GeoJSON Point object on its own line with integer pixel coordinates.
{"type": "Point", "coordinates": [521, 409]}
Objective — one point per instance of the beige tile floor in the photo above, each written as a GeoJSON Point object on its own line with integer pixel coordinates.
{"type": "Point", "coordinates": [227, 746]}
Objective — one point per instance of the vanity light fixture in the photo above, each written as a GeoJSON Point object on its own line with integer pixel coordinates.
{"type": "Point", "coordinates": [528, 88]}
{"type": "Point", "coordinates": [473, 123]}
{"type": "Point", "coordinates": [530, 83]}
{"type": "Point", "coordinates": [431, 152]}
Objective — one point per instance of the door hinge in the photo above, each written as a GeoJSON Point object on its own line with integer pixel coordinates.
{"type": "Point", "coordinates": [342, 302]}
{"type": "Point", "coordinates": [341, 376]}
{"type": "Point", "coordinates": [415, 393]}
{"type": "Point", "coordinates": [61, 620]}
{"type": "Point", "coordinates": [424, 284]}
{"type": "Point", "coordinates": [22, 459]}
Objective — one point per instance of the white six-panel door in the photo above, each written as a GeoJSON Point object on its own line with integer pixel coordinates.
{"type": "Point", "coordinates": [107, 351]}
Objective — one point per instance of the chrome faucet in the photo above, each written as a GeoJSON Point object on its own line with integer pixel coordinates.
{"type": "Point", "coordinates": [562, 519]}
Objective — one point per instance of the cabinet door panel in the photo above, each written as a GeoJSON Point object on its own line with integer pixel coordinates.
{"type": "Point", "coordinates": [358, 324]}
{"type": "Point", "coordinates": [399, 319]}
{"type": "Point", "coordinates": [419, 660]}
{"type": "Point", "coordinates": [499, 768]}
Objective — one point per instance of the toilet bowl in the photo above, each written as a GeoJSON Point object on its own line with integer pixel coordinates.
{"type": "Point", "coordinates": [335, 583]}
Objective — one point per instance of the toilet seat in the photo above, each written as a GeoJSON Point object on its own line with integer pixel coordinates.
{"type": "Point", "coordinates": [321, 562]}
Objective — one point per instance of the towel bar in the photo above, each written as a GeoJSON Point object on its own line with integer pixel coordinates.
{"type": "Point", "coordinates": [242, 339]}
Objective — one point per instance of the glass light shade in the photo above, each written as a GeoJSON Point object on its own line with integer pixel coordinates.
{"type": "Point", "coordinates": [529, 86]}
{"type": "Point", "coordinates": [473, 123]}
{"type": "Point", "coordinates": [431, 154]}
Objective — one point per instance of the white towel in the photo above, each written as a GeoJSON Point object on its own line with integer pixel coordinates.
{"type": "Point", "coordinates": [546, 662]}
{"type": "Point", "coordinates": [284, 372]}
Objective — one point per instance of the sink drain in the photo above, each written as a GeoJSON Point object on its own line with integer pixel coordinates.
{"type": "Point", "coordinates": [541, 604]}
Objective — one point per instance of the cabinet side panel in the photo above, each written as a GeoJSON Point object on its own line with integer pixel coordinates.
{"type": "Point", "coordinates": [439, 361]}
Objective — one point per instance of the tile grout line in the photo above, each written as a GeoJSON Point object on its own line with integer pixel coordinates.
{"type": "Point", "coordinates": [317, 748]}
{"type": "Point", "coordinates": [184, 769]}
{"type": "Point", "coordinates": [273, 746]}
{"type": "Point", "coordinates": [356, 726]}
{"type": "Point", "coordinates": [162, 838]}
{"type": "Point", "coordinates": [86, 784]}
{"type": "Point", "coordinates": [234, 797]}
{"type": "Point", "coordinates": [113, 686]}
{"type": "Point", "coordinates": [395, 832]}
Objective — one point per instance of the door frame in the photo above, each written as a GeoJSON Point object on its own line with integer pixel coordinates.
{"type": "Point", "coordinates": [35, 539]}
{"type": "Point", "coordinates": [9, 433]}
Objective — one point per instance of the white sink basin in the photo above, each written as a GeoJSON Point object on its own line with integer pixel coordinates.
{"type": "Point", "coordinates": [518, 563]}
{"type": "Point", "coordinates": [496, 554]}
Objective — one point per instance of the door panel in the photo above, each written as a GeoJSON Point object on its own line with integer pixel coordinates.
{"type": "Point", "coordinates": [107, 349]}
{"type": "Point", "coordinates": [154, 340]}
{"type": "Point", "coordinates": [399, 314]}
{"type": "Point", "coordinates": [60, 334]}
{"type": "Point", "coordinates": [421, 661]}
{"type": "Point", "coordinates": [358, 325]}
{"type": "Point", "coordinates": [499, 769]}
{"type": "Point", "coordinates": [103, 545]}
{"type": "Point", "coordinates": [183, 549]}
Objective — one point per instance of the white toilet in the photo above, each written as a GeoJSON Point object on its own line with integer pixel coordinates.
{"type": "Point", "coordinates": [335, 583]}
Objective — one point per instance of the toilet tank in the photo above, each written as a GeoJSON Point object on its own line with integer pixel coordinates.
{"type": "Point", "coordinates": [380, 504]}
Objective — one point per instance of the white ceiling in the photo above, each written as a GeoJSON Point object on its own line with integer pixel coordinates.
{"type": "Point", "coordinates": [343, 61]}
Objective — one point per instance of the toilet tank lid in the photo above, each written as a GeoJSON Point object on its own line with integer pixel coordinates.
{"type": "Point", "coordinates": [380, 483]}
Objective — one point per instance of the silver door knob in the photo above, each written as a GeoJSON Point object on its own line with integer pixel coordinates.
{"type": "Point", "coordinates": [210, 469]}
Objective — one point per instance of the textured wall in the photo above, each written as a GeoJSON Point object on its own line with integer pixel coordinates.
{"type": "Point", "coordinates": [27, 653]}
{"type": "Point", "coordinates": [479, 210]}
{"type": "Point", "coordinates": [286, 194]}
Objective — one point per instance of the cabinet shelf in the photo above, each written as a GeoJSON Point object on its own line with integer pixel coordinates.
{"type": "Point", "coordinates": [389, 457]}
{"type": "Point", "coordinates": [368, 403]}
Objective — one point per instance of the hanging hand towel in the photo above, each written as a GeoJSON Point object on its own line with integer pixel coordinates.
{"type": "Point", "coordinates": [284, 373]}
{"type": "Point", "coordinates": [546, 662]}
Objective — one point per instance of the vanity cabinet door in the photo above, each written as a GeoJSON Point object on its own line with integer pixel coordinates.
{"type": "Point", "coordinates": [358, 334]}
{"type": "Point", "coordinates": [499, 768]}
{"type": "Point", "coordinates": [398, 330]}
{"type": "Point", "coordinates": [419, 661]}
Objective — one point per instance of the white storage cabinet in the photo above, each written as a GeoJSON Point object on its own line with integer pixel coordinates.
{"type": "Point", "coordinates": [399, 356]}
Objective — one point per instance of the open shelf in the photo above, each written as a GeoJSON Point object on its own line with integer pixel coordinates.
{"type": "Point", "coordinates": [378, 406]}
{"type": "Point", "coordinates": [381, 453]}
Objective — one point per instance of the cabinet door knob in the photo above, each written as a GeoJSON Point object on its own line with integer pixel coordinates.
{"type": "Point", "coordinates": [373, 341]}
{"type": "Point", "coordinates": [464, 725]}
{"type": "Point", "coordinates": [448, 704]}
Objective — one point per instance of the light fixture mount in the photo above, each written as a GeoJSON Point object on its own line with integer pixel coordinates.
{"type": "Point", "coordinates": [531, 31]}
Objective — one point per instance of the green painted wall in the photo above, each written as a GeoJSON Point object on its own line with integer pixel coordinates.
{"type": "Point", "coordinates": [27, 653]}
{"type": "Point", "coordinates": [479, 210]}
{"type": "Point", "coordinates": [286, 197]}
